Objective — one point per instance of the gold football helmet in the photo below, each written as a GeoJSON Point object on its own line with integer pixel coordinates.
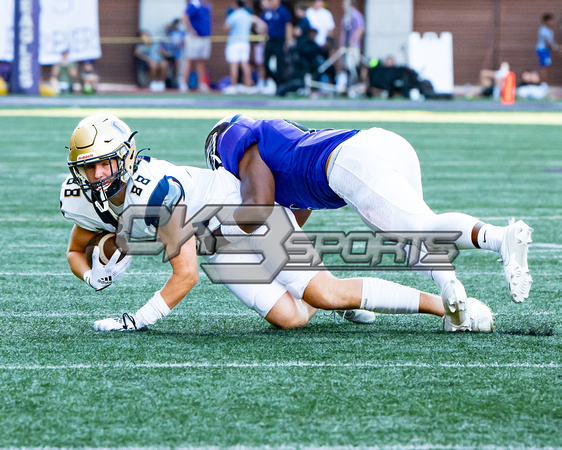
{"type": "Point", "coordinates": [97, 138]}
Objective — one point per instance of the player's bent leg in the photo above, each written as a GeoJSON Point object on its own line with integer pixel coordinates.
{"type": "Point", "coordinates": [431, 304]}
{"type": "Point", "coordinates": [373, 294]}
{"type": "Point", "coordinates": [512, 243]}
{"type": "Point", "coordinates": [324, 291]}
{"type": "Point", "coordinates": [378, 189]}
{"type": "Point", "coordinates": [289, 312]}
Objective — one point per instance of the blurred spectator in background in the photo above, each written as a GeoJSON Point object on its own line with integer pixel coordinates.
{"type": "Point", "coordinates": [531, 86]}
{"type": "Point", "coordinates": [90, 77]}
{"type": "Point", "coordinates": [5, 69]}
{"type": "Point", "coordinates": [351, 38]}
{"type": "Point", "coordinates": [390, 79]}
{"type": "Point", "coordinates": [546, 44]}
{"type": "Point", "coordinates": [197, 20]}
{"type": "Point", "coordinates": [280, 32]}
{"type": "Point", "coordinates": [64, 75]}
{"type": "Point", "coordinates": [303, 24]}
{"type": "Point", "coordinates": [352, 29]}
{"type": "Point", "coordinates": [152, 54]}
{"type": "Point", "coordinates": [258, 49]}
{"type": "Point", "coordinates": [322, 21]}
{"type": "Point", "coordinates": [237, 52]}
{"type": "Point", "coordinates": [173, 52]}
{"type": "Point", "coordinates": [492, 80]}
{"type": "Point", "coordinates": [306, 57]}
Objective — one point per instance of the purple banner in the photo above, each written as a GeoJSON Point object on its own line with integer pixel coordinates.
{"type": "Point", "coordinates": [26, 71]}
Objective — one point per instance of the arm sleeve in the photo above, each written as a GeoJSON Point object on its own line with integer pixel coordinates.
{"type": "Point", "coordinates": [234, 142]}
{"type": "Point", "coordinates": [168, 192]}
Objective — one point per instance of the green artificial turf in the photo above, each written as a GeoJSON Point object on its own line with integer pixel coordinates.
{"type": "Point", "coordinates": [214, 373]}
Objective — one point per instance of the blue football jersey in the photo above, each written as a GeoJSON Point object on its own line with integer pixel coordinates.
{"type": "Point", "coordinates": [295, 155]}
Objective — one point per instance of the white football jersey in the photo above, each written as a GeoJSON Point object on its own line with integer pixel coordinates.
{"type": "Point", "coordinates": [157, 182]}
{"type": "Point", "coordinates": [154, 183]}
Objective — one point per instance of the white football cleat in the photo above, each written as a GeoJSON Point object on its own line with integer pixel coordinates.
{"type": "Point", "coordinates": [360, 316]}
{"type": "Point", "coordinates": [454, 302]}
{"type": "Point", "coordinates": [514, 249]}
{"type": "Point", "coordinates": [480, 318]}
{"type": "Point", "coordinates": [124, 323]}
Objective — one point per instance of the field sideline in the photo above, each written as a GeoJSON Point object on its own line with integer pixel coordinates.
{"type": "Point", "coordinates": [213, 374]}
{"type": "Point", "coordinates": [505, 118]}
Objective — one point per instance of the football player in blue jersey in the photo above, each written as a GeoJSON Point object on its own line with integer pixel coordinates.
{"type": "Point", "coordinates": [375, 172]}
{"type": "Point", "coordinates": [108, 176]}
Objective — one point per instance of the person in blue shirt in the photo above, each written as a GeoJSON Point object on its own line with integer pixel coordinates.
{"type": "Point", "coordinates": [197, 19]}
{"type": "Point", "coordinates": [237, 51]}
{"type": "Point", "coordinates": [303, 25]}
{"type": "Point", "coordinates": [375, 172]}
{"type": "Point", "coordinates": [546, 44]}
{"type": "Point", "coordinates": [280, 32]}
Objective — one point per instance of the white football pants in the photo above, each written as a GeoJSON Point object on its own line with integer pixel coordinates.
{"type": "Point", "coordinates": [378, 174]}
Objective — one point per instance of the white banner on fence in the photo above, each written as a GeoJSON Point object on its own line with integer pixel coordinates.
{"type": "Point", "coordinates": [432, 57]}
{"type": "Point", "coordinates": [7, 30]}
{"type": "Point", "coordinates": [71, 25]}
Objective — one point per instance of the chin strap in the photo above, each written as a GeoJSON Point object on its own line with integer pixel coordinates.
{"type": "Point", "coordinates": [101, 201]}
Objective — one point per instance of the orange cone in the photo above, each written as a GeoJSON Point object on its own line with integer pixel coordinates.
{"type": "Point", "coordinates": [508, 89]}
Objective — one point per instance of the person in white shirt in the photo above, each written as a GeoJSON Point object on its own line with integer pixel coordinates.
{"type": "Point", "coordinates": [322, 21]}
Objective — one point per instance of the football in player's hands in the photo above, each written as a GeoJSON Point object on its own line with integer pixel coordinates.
{"type": "Point", "coordinates": [107, 245]}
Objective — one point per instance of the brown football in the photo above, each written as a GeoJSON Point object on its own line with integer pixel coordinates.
{"type": "Point", "coordinates": [107, 245]}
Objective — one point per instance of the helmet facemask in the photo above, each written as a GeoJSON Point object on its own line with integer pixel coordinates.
{"type": "Point", "coordinates": [211, 156]}
{"type": "Point", "coordinates": [101, 191]}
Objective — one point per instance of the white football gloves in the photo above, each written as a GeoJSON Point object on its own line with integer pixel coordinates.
{"type": "Point", "coordinates": [149, 314]}
{"type": "Point", "coordinates": [101, 276]}
{"type": "Point", "coordinates": [123, 323]}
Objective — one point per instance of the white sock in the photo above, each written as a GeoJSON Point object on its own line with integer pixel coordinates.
{"type": "Point", "coordinates": [389, 298]}
{"type": "Point", "coordinates": [490, 237]}
{"type": "Point", "coordinates": [440, 277]}
{"type": "Point", "coordinates": [155, 309]}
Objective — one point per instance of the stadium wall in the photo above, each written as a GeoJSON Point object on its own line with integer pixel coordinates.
{"type": "Point", "coordinates": [485, 32]}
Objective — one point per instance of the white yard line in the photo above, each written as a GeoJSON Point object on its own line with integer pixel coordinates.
{"type": "Point", "coordinates": [284, 364]}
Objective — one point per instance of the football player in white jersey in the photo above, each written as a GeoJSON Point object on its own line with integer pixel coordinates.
{"type": "Point", "coordinates": [108, 176]}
